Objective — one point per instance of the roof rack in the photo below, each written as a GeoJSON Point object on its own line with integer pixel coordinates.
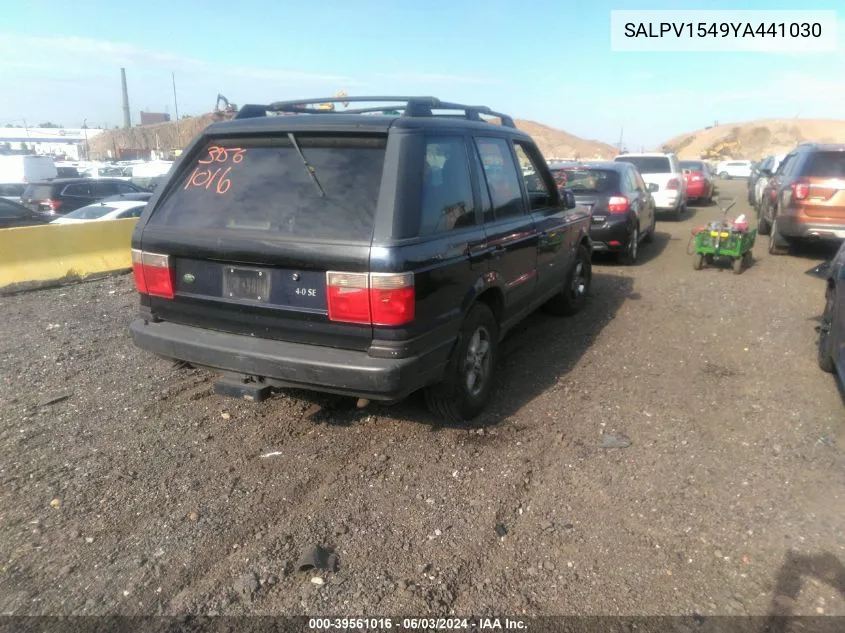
{"type": "Point", "coordinates": [412, 107]}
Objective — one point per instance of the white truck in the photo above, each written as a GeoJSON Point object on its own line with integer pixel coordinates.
{"type": "Point", "coordinates": [17, 171]}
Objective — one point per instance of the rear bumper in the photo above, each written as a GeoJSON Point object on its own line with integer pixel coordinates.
{"type": "Point", "coordinates": [668, 200]}
{"type": "Point", "coordinates": [602, 236]}
{"type": "Point", "coordinates": [697, 190]}
{"type": "Point", "coordinates": [789, 226]}
{"type": "Point", "coordinates": [346, 372]}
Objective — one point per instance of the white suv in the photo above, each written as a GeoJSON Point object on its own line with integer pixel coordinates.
{"type": "Point", "coordinates": [734, 169]}
{"type": "Point", "coordinates": [665, 179]}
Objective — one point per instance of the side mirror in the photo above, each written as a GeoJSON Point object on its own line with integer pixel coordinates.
{"type": "Point", "coordinates": [568, 199]}
{"type": "Point", "coordinates": [652, 187]}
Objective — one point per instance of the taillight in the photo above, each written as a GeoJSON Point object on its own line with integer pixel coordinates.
{"type": "Point", "coordinates": [392, 298]}
{"type": "Point", "coordinates": [153, 275]}
{"type": "Point", "coordinates": [375, 298]}
{"type": "Point", "coordinates": [800, 190]}
{"type": "Point", "coordinates": [674, 183]}
{"type": "Point", "coordinates": [54, 205]}
{"type": "Point", "coordinates": [348, 297]}
{"type": "Point", "coordinates": [618, 204]}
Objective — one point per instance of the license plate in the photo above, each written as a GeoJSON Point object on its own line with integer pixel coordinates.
{"type": "Point", "coordinates": [246, 284]}
{"type": "Point", "coordinates": [599, 218]}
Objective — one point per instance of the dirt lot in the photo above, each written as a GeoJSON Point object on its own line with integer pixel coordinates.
{"type": "Point", "coordinates": [143, 492]}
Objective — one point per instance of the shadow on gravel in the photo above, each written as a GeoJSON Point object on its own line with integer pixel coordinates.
{"type": "Point", "coordinates": [533, 356]}
{"type": "Point", "coordinates": [647, 251]}
{"type": "Point", "coordinates": [795, 570]}
{"type": "Point", "coordinates": [543, 349]}
{"type": "Point", "coordinates": [815, 251]}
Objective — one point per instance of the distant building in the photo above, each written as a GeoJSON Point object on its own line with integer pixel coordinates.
{"type": "Point", "coordinates": [52, 141]}
{"type": "Point", "coordinates": [147, 118]}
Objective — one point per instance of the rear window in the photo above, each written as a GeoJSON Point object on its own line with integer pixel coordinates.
{"type": "Point", "coordinates": [38, 192]}
{"type": "Point", "coordinates": [91, 212]}
{"type": "Point", "coordinates": [587, 180]}
{"type": "Point", "coordinates": [826, 165]}
{"type": "Point", "coordinates": [648, 164]}
{"type": "Point", "coordinates": [265, 185]}
{"type": "Point", "coordinates": [692, 165]}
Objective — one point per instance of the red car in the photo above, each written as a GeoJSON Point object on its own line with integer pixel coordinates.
{"type": "Point", "coordinates": [699, 180]}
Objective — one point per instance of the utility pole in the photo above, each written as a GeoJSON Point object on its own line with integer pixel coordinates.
{"type": "Point", "coordinates": [621, 131]}
{"type": "Point", "coordinates": [176, 109]}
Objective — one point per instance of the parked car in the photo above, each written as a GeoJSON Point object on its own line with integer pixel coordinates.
{"type": "Point", "coordinates": [734, 169]}
{"type": "Point", "coordinates": [67, 172]}
{"type": "Point", "coordinates": [118, 210]}
{"type": "Point", "coordinates": [831, 345]}
{"type": "Point", "coordinates": [805, 198]}
{"type": "Point", "coordinates": [63, 195]}
{"type": "Point", "coordinates": [664, 171]}
{"type": "Point", "coordinates": [698, 179]}
{"type": "Point", "coordinates": [369, 256]}
{"type": "Point", "coordinates": [622, 208]}
{"type": "Point", "coordinates": [13, 214]}
{"type": "Point", "coordinates": [767, 167]}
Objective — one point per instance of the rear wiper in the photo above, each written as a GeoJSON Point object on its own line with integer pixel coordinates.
{"type": "Point", "coordinates": [311, 171]}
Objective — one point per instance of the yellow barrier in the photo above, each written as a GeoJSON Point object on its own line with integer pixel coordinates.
{"type": "Point", "coordinates": [64, 251]}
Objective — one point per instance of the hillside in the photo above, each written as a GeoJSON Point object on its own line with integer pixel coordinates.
{"type": "Point", "coordinates": [755, 139]}
{"type": "Point", "coordinates": [553, 143]}
{"type": "Point", "coordinates": [556, 143]}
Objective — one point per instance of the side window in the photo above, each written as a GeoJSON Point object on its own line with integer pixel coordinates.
{"type": "Point", "coordinates": [486, 202]}
{"type": "Point", "coordinates": [630, 181]}
{"type": "Point", "coordinates": [125, 187]}
{"type": "Point", "coordinates": [502, 177]}
{"type": "Point", "coordinates": [105, 189]}
{"type": "Point", "coordinates": [532, 175]}
{"type": "Point", "coordinates": [131, 213]}
{"type": "Point", "coordinates": [785, 165]}
{"type": "Point", "coordinates": [80, 190]}
{"type": "Point", "coordinates": [447, 201]}
{"type": "Point", "coordinates": [639, 181]}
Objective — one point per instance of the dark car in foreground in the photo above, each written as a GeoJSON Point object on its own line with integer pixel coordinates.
{"type": "Point", "coordinates": [623, 213]}
{"type": "Point", "coordinates": [363, 254]}
{"type": "Point", "coordinates": [831, 352]}
{"type": "Point", "coordinates": [13, 214]}
{"type": "Point", "coordinates": [62, 195]}
{"type": "Point", "coordinates": [805, 198]}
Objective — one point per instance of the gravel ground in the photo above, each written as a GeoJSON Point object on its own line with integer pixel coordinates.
{"type": "Point", "coordinates": [139, 491]}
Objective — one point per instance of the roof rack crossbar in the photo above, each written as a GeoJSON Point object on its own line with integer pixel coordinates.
{"type": "Point", "coordinates": [411, 107]}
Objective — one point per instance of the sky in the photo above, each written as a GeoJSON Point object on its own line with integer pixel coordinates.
{"type": "Point", "coordinates": [545, 60]}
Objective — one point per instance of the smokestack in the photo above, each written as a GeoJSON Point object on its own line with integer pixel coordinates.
{"type": "Point", "coordinates": [127, 123]}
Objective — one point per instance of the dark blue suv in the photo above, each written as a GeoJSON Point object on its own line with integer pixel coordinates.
{"type": "Point", "coordinates": [369, 252]}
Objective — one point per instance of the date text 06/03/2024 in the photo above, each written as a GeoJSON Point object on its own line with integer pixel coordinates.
{"type": "Point", "coordinates": [723, 29]}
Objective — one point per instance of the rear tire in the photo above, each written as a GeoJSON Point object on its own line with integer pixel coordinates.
{"type": "Point", "coordinates": [677, 213]}
{"type": "Point", "coordinates": [628, 257]}
{"type": "Point", "coordinates": [459, 396]}
{"type": "Point", "coordinates": [648, 238]}
{"type": "Point", "coordinates": [698, 261]}
{"type": "Point", "coordinates": [777, 243]}
{"type": "Point", "coordinates": [724, 176]}
{"type": "Point", "coordinates": [573, 297]}
{"type": "Point", "coordinates": [825, 352]}
{"type": "Point", "coordinates": [736, 264]}
{"type": "Point", "coordinates": [763, 226]}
